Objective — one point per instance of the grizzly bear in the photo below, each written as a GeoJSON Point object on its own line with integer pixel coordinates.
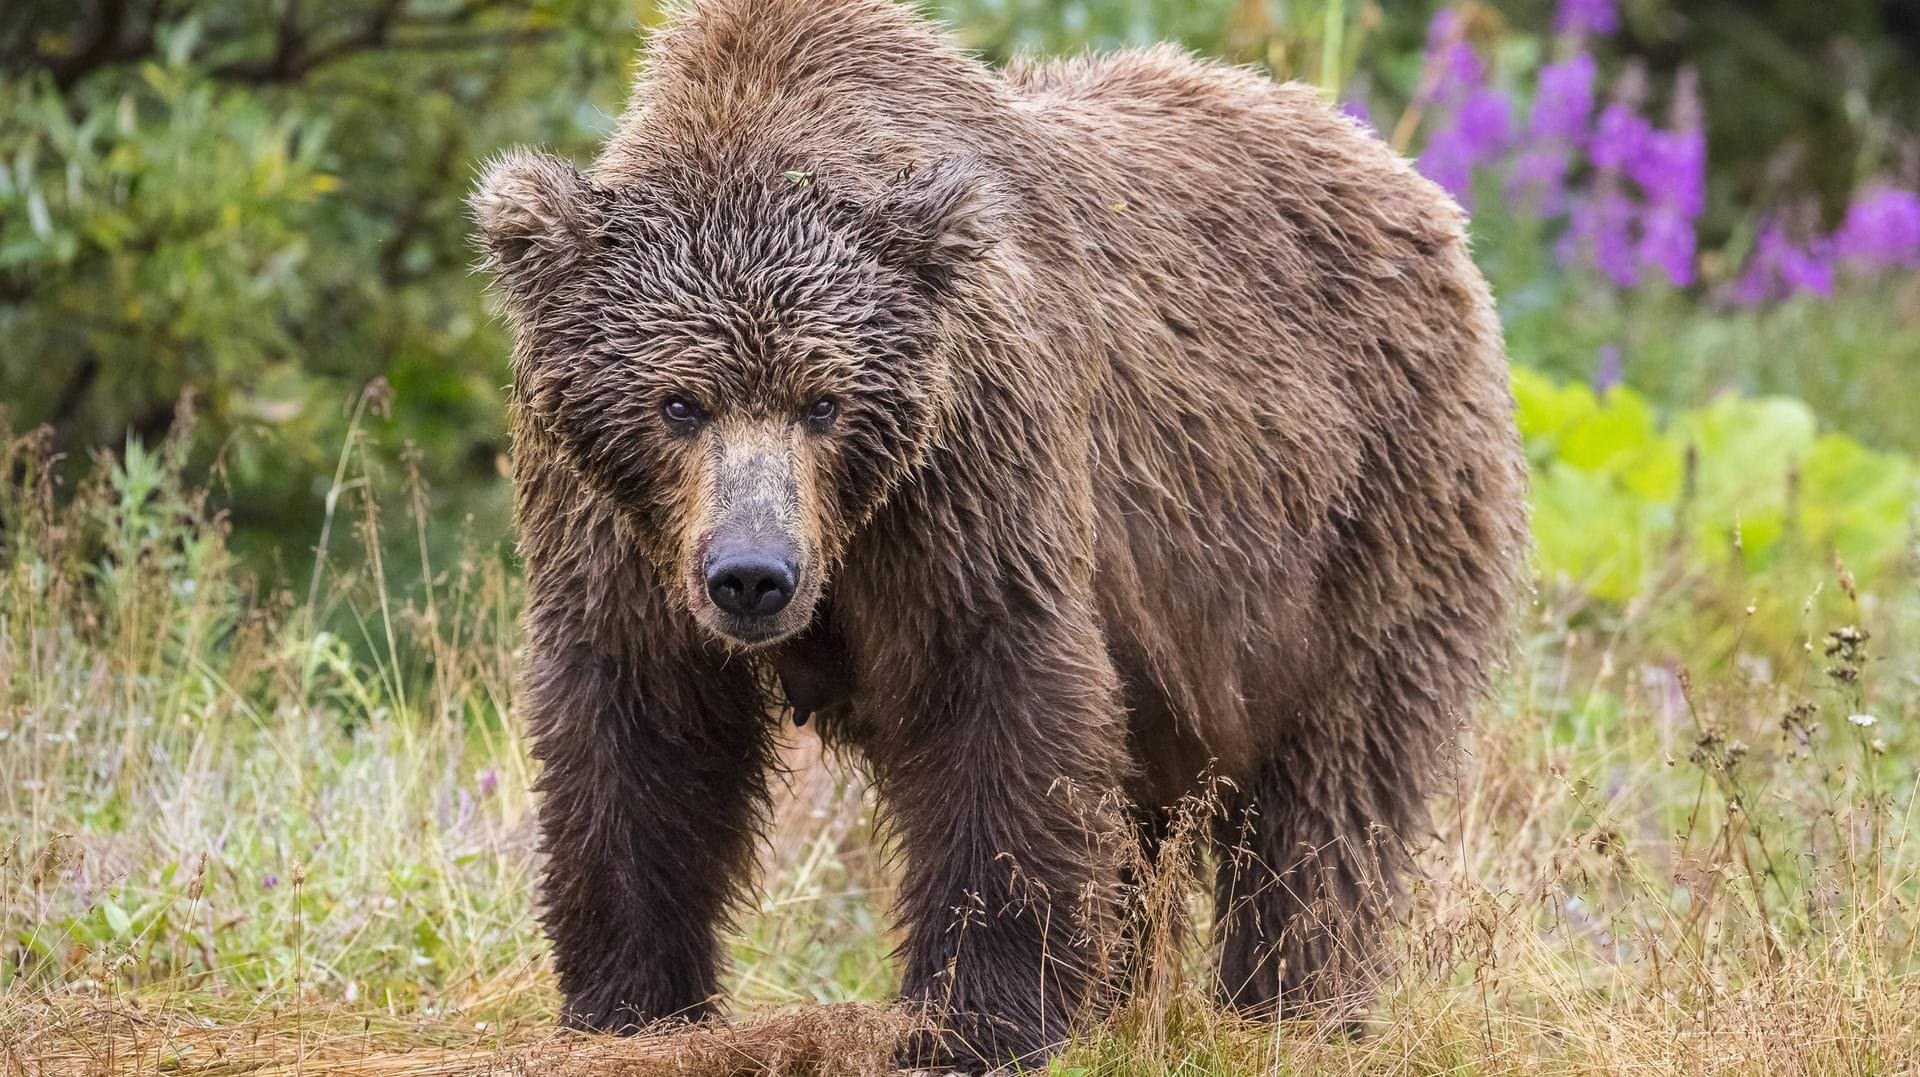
{"type": "Point", "coordinates": [1059, 439]}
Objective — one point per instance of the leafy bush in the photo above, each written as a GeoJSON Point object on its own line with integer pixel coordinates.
{"type": "Point", "coordinates": [261, 205]}
{"type": "Point", "coordinates": [1620, 498]}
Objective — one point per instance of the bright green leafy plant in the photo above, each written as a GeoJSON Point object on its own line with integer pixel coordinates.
{"type": "Point", "coordinates": [1620, 496]}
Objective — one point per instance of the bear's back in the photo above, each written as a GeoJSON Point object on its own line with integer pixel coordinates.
{"type": "Point", "coordinates": [1292, 326]}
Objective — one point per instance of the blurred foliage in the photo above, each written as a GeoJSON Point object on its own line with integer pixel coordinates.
{"type": "Point", "coordinates": [259, 204]}
{"type": "Point", "coordinates": [1318, 41]}
{"type": "Point", "coordinates": [1750, 483]}
{"type": "Point", "coordinates": [1854, 358]}
{"type": "Point", "coordinates": [1806, 101]}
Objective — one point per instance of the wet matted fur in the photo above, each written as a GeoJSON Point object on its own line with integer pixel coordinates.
{"type": "Point", "coordinates": [1122, 421]}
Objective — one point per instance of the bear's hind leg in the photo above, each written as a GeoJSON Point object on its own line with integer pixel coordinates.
{"type": "Point", "coordinates": [1303, 881]}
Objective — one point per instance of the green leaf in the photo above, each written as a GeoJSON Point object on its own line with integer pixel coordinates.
{"type": "Point", "coordinates": [117, 919]}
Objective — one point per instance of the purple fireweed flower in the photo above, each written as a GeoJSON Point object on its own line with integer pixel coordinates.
{"type": "Point", "coordinates": [1477, 133]}
{"type": "Point", "coordinates": [1667, 242]}
{"type": "Point", "coordinates": [1807, 269]}
{"type": "Point", "coordinates": [1608, 372]}
{"type": "Point", "coordinates": [1459, 70]}
{"type": "Point", "coordinates": [1447, 162]}
{"type": "Point", "coordinates": [1671, 167]}
{"type": "Point", "coordinates": [1881, 231]}
{"type": "Point", "coordinates": [1586, 17]}
{"type": "Point", "coordinates": [1557, 126]}
{"type": "Point", "coordinates": [1485, 123]}
{"type": "Point", "coordinates": [1759, 279]}
{"type": "Point", "coordinates": [1444, 27]}
{"type": "Point", "coordinates": [1601, 231]}
{"type": "Point", "coordinates": [1563, 104]}
{"type": "Point", "coordinates": [1618, 137]}
{"type": "Point", "coordinates": [1779, 268]}
{"type": "Point", "coordinates": [1538, 177]}
{"type": "Point", "coordinates": [1453, 69]}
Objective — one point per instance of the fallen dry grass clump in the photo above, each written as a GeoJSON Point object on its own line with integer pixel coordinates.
{"type": "Point", "coordinates": [250, 829]}
{"type": "Point", "coordinates": [89, 1037]}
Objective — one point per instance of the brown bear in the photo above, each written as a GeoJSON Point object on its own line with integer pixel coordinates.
{"type": "Point", "coordinates": [1059, 436]}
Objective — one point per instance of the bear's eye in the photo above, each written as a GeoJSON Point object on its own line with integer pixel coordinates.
{"type": "Point", "coordinates": [679, 412]}
{"type": "Point", "coordinates": [823, 411]}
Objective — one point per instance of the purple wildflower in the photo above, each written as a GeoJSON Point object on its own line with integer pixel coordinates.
{"type": "Point", "coordinates": [1671, 167]}
{"type": "Point", "coordinates": [1601, 230]}
{"type": "Point", "coordinates": [1807, 269]}
{"type": "Point", "coordinates": [1619, 137]}
{"type": "Point", "coordinates": [1446, 162]}
{"type": "Point", "coordinates": [270, 881]}
{"type": "Point", "coordinates": [1562, 112]}
{"type": "Point", "coordinates": [1609, 372]}
{"type": "Point", "coordinates": [1667, 243]}
{"type": "Point", "coordinates": [1443, 29]}
{"type": "Point", "coordinates": [1779, 268]}
{"type": "Point", "coordinates": [1586, 17]}
{"type": "Point", "coordinates": [1453, 68]}
{"type": "Point", "coordinates": [1485, 123]}
{"type": "Point", "coordinates": [1477, 133]}
{"type": "Point", "coordinates": [1882, 230]}
{"type": "Point", "coordinates": [489, 781]}
{"type": "Point", "coordinates": [1563, 105]}
{"type": "Point", "coordinates": [1759, 280]}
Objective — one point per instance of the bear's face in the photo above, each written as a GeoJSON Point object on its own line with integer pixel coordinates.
{"type": "Point", "coordinates": [747, 373]}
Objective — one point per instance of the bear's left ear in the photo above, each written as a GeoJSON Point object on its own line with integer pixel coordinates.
{"type": "Point", "coordinates": [536, 215]}
{"type": "Point", "coordinates": [936, 221]}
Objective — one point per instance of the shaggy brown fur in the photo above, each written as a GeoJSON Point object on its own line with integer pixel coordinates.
{"type": "Point", "coordinates": [1104, 423]}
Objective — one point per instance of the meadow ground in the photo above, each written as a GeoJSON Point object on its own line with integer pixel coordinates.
{"type": "Point", "coordinates": [233, 842]}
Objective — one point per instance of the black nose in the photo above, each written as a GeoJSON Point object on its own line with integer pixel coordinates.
{"type": "Point", "coordinates": [750, 584]}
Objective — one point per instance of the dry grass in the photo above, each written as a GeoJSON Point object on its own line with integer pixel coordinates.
{"type": "Point", "coordinates": [96, 1037]}
{"type": "Point", "coordinates": [234, 843]}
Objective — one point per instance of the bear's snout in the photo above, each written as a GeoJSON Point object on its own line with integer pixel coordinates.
{"type": "Point", "coordinates": [751, 582]}
{"type": "Point", "coordinates": [754, 567]}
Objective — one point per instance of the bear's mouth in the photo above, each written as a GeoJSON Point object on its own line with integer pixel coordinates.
{"type": "Point", "coordinates": [750, 632]}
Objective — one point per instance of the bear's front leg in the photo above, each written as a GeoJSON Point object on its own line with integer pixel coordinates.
{"type": "Point", "coordinates": [654, 772]}
{"type": "Point", "coordinates": [1001, 780]}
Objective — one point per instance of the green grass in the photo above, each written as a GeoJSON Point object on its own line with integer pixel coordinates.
{"type": "Point", "coordinates": [233, 840]}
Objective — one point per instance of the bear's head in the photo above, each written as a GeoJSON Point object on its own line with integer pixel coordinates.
{"type": "Point", "coordinates": [745, 368]}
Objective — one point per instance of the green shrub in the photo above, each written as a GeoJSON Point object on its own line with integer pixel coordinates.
{"type": "Point", "coordinates": [1620, 497]}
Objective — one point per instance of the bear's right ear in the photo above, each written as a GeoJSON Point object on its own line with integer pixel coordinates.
{"type": "Point", "coordinates": [937, 221]}
{"type": "Point", "coordinates": [536, 214]}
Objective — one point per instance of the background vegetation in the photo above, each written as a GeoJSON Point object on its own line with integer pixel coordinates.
{"type": "Point", "coordinates": [263, 801]}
